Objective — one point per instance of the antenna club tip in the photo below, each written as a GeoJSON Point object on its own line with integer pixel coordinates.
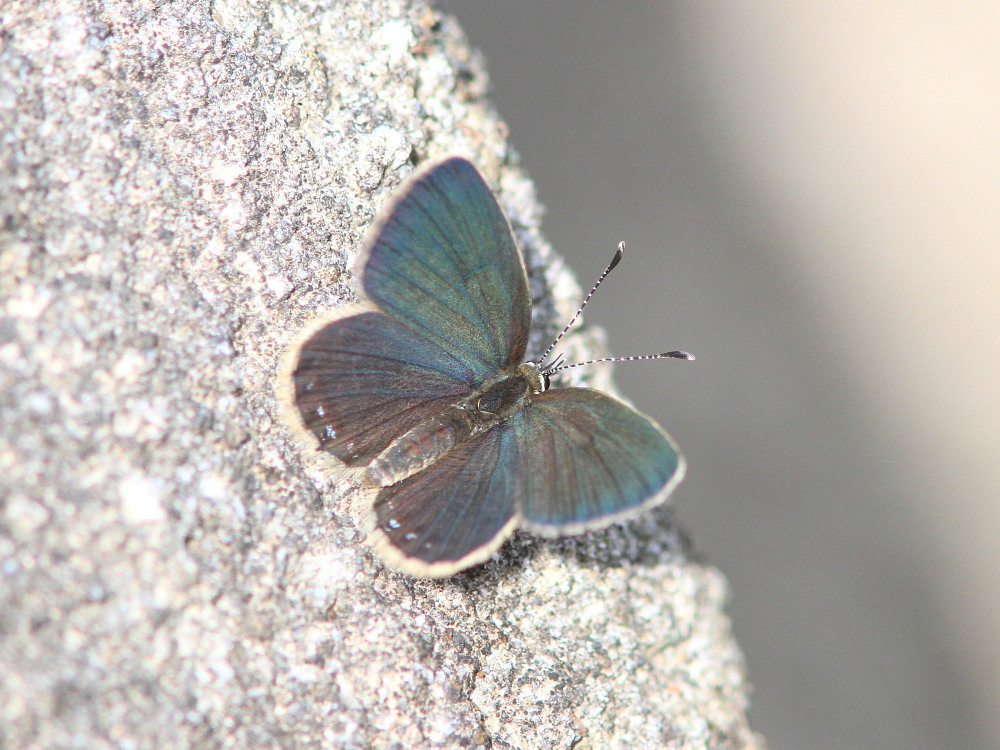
{"type": "Point", "coordinates": [619, 252]}
{"type": "Point", "coordinates": [679, 355]}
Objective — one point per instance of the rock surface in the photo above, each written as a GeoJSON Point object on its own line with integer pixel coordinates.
{"type": "Point", "coordinates": [183, 185]}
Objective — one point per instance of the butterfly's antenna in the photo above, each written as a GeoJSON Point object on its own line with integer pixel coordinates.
{"type": "Point", "coordinates": [619, 252]}
{"type": "Point", "coordinates": [557, 367]}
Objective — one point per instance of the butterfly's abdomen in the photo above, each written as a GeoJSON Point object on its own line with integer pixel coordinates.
{"type": "Point", "coordinates": [426, 443]}
{"type": "Point", "coordinates": [420, 447]}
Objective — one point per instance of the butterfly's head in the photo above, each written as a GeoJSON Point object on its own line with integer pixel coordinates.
{"type": "Point", "coordinates": [538, 377]}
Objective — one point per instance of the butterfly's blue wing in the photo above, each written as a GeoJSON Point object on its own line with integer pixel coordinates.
{"type": "Point", "coordinates": [447, 307]}
{"type": "Point", "coordinates": [443, 262]}
{"type": "Point", "coordinates": [573, 459]}
{"type": "Point", "coordinates": [586, 459]}
{"type": "Point", "coordinates": [454, 513]}
{"type": "Point", "coordinates": [359, 379]}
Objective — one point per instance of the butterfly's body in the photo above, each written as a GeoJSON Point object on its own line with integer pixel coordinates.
{"type": "Point", "coordinates": [483, 410]}
{"type": "Point", "coordinates": [422, 392]}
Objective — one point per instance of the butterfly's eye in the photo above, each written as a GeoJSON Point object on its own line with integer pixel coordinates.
{"type": "Point", "coordinates": [546, 382]}
{"type": "Point", "coordinates": [485, 406]}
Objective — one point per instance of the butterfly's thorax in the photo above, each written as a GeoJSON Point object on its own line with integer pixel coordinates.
{"type": "Point", "coordinates": [426, 443]}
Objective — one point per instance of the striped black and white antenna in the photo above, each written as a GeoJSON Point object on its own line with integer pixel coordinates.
{"type": "Point", "coordinates": [557, 364]}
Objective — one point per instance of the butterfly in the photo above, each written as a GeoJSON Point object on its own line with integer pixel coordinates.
{"type": "Point", "coordinates": [421, 390]}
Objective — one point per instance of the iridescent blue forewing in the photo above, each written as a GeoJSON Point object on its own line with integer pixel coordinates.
{"type": "Point", "coordinates": [445, 307]}
{"type": "Point", "coordinates": [453, 514]}
{"type": "Point", "coordinates": [586, 459]}
{"type": "Point", "coordinates": [444, 263]}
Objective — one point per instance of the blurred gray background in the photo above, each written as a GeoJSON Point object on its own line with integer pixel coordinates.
{"type": "Point", "coordinates": [810, 196]}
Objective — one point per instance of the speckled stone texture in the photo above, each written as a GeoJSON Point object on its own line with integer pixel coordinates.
{"type": "Point", "coordinates": [183, 185]}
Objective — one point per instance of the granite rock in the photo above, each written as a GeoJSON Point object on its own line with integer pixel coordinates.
{"type": "Point", "coordinates": [183, 185]}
